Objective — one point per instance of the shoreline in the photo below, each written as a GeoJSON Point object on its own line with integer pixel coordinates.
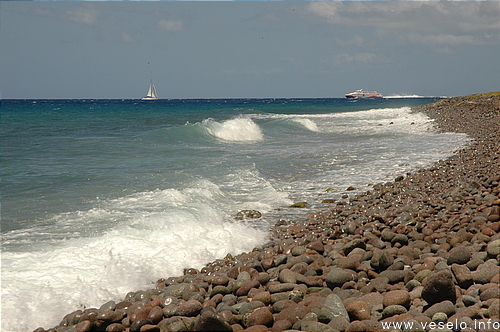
{"type": "Point", "coordinates": [424, 248]}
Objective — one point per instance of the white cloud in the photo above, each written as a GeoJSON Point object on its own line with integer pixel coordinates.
{"type": "Point", "coordinates": [452, 23]}
{"type": "Point", "coordinates": [358, 59]}
{"type": "Point", "coordinates": [86, 14]}
{"type": "Point", "coordinates": [128, 38]}
{"type": "Point", "coordinates": [170, 25]}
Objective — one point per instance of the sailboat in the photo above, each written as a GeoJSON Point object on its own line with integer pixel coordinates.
{"type": "Point", "coordinates": [151, 92]}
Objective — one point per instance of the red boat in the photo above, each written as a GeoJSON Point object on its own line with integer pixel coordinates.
{"type": "Point", "coordinates": [364, 94]}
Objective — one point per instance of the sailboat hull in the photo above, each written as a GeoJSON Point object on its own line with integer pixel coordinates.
{"type": "Point", "coordinates": [151, 92]}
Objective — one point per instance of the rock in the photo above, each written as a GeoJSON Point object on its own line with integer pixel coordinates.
{"type": "Point", "coordinates": [381, 260]}
{"type": "Point", "coordinates": [281, 325]}
{"type": "Point", "coordinates": [220, 280]}
{"type": "Point", "coordinates": [494, 309]}
{"type": "Point", "coordinates": [84, 326]}
{"type": "Point", "coordinates": [156, 314]}
{"type": "Point", "coordinates": [356, 326]}
{"type": "Point", "coordinates": [313, 326]}
{"type": "Point", "coordinates": [490, 293]}
{"type": "Point", "coordinates": [337, 277]}
{"type": "Point", "coordinates": [317, 245]}
{"type": "Point", "coordinates": [493, 248]}
{"type": "Point", "coordinates": [189, 308]}
{"type": "Point", "coordinates": [339, 323]}
{"type": "Point", "coordinates": [393, 310]}
{"type": "Point", "coordinates": [356, 243]}
{"type": "Point", "coordinates": [438, 287]}
{"type": "Point", "coordinates": [401, 239]}
{"type": "Point", "coordinates": [210, 321]}
{"type": "Point", "coordinates": [253, 214]}
{"type": "Point", "coordinates": [280, 288]}
{"type": "Point", "coordinates": [439, 317]}
{"type": "Point", "coordinates": [115, 327]}
{"type": "Point", "coordinates": [287, 276]}
{"type": "Point", "coordinates": [264, 297]}
{"type": "Point", "coordinates": [299, 205]}
{"type": "Point", "coordinates": [138, 324]}
{"type": "Point", "coordinates": [397, 297]}
{"type": "Point", "coordinates": [463, 275]}
{"type": "Point", "coordinates": [358, 310]}
{"type": "Point", "coordinates": [446, 306]}
{"type": "Point", "coordinates": [292, 313]}
{"type": "Point", "coordinates": [468, 300]}
{"type": "Point", "coordinates": [485, 272]}
{"type": "Point", "coordinates": [178, 323]}
{"type": "Point", "coordinates": [332, 307]}
{"type": "Point", "coordinates": [459, 255]}
{"type": "Point", "coordinates": [261, 316]}
{"type": "Point", "coordinates": [243, 290]}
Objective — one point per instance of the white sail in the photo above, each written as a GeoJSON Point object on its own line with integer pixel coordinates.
{"type": "Point", "coordinates": [151, 92]}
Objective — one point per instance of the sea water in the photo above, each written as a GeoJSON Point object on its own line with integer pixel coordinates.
{"type": "Point", "coordinates": [103, 197]}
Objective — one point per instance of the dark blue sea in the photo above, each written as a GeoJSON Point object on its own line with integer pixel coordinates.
{"type": "Point", "coordinates": [103, 197]}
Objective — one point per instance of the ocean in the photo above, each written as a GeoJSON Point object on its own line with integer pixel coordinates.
{"type": "Point", "coordinates": [103, 197]}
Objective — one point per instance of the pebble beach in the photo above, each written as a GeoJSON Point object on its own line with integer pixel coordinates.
{"type": "Point", "coordinates": [421, 253]}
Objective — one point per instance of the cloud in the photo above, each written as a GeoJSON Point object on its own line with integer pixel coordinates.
{"type": "Point", "coordinates": [358, 59]}
{"type": "Point", "coordinates": [86, 14]}
{"type": "Point", "coordinates": [170, 25]}
{"type": "Point", "coordinates": [451, 23]}
{"type": "Point", "coordinates": [128, 38]}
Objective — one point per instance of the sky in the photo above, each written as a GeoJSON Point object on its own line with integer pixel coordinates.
{"type": "Point", "coordinates": [256, 49]}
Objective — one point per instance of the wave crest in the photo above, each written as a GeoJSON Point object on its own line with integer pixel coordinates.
{"type": "Point", "coordinates": [239, 129]}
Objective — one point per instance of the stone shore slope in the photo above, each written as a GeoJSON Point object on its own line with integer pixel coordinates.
{"type": "Point", "coordinates": [423, 250]}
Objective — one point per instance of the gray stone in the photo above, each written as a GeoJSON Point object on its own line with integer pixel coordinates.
{"type": "Point", "coordinates": [332, 307]}
{"type": "Point", "coordinates": [393, 310]}
{"type": "Point", "coordinates": [485, 272]}
{"type": "Point", "coordinates": [381, 260]}
{"type": "Point", "coordinates": [337, 277]}
{"type": "Point", "coordinates": [287, 276]}
{"type": "Point", "coordinates": [493, 248]}
{"type": "Point", "coordinates": [446, 306]}
{"type": "Point", "coordinates": [459, 255]}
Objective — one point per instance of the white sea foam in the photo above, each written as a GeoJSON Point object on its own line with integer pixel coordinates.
{"type": "Point", "coordinates": [153, 235]}
{"type": "Point", "coordinates": [238, 129]}
{"type": "Point", "coordinates": [308, 123]}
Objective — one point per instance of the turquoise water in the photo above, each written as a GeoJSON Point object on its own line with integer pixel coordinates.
{"type": "Point", "coordinates": [99, 190]}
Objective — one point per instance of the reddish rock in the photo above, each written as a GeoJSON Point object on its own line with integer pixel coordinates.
{"type": "Point", "coordinates": [155, 315]}
{"type": "Point", "coordinates": [142, 313]}
{"type": "Point", "coordinates": [243, 290]}
{"type": "Point", "coordinates": [220, 280]}
{"type": "Point", "coordinates": [115, 327]}
{"type": "Point", "coordinates": [293, 313]}
{"type": "Point", "coordinates": [261, 316]}
{"type": "Point", "coordinates": [359, 310]}
{"type": "Point", "coordinates": [356, 326]}
{"type": "Point", "coordinates": [263, 296]}
{"type": "Point", "coordinates": [84, 326]}
{"type": "Point", "coordinates": [438, 287]}
{"type": "Point", "coordinates": [259, 328]}
{"type": "Point", "coordinates": [463, 275]}
{"type": "Point", "coordinates": [317, 245]}
{"type": "Point", "coordinates": [397, 297]}
{"type": "Point", "coordinates": [189, 308]}
{"type": "Point", "coordinates": [281, 325]}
